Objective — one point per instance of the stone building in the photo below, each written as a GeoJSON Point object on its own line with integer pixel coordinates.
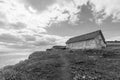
{"type": "Point", "coordinates": [93, 40]}
{"type": "Point", "coordinates": [113, 44]}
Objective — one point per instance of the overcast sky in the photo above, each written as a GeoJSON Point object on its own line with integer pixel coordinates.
{"type": "Point", "coordinates": [30, 25]}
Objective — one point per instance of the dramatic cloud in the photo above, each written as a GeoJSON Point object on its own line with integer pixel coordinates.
{"type": "Point", "coordinates": [106, 8]}
{"type": "Point", "coordinates": [26, 24]}
{"type": "Point", "coordinates": [21, 21]}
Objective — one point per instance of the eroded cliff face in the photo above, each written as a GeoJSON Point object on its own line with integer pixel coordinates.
{"type": "Point", "coordinates": [66, 65]}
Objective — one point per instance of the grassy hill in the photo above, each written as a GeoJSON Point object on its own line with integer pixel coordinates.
{"type": "Point", "coordinates": [66, 65]}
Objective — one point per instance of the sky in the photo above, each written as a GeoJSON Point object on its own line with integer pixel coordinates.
{"type": "Point", "coordinates": [34, 25]}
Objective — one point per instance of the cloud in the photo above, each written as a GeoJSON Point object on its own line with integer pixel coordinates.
{"type": "Point", "coordinates": [85, 15]}
{"type": "Point", "coordinates": [107, 8]}
{"type": "Point", "coordinates": [49, 40]}
{"type": "Point", "coordinates": [55, 11]}
{"type": "Point", "coordinates": [24, 23]}
{"type": "Point", "coordinates": [17, 42]}
{"type": "Point", "coordinates": [8, 38]}
{"type": "Point", "coordinates": [39, 5]}
{"type": "Point", "coordinates": [21, 22]}
{"type": "Point", "coordinates": [11, 60]}
{"type": "Point", "coordinates": [2, 24]}
{"type": "Point", "coordinates": [16, 16]}
{"type": "Point", "coordinates": [18, 25]}
{"type": "Point", "coordinates": [98, 11]}
{"type": "Point", "coordinates": [2, 16]}
{"type": "Point", "coordinates": [114, 38]}
{"type": "Point", "coordinates": [23, 46]}
{"type": "Point", "coordinates": [29, 38]}
{"type": "Point", "coordinates": [43, 43]}
{"type": "Point", "coordinates": [2, 20]}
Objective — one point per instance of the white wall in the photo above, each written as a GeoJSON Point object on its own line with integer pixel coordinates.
{"type": "Point", "coordinates": [99, 41]}
{"type": "Point", "coordinates": [96, 43]}
{"type": "Point", "coordinates": [89, 44]}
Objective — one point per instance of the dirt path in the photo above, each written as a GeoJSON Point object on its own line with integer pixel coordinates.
{"type": "Point", "coordinates": [65, 70]}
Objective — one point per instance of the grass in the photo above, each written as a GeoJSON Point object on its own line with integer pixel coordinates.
{"type": "Point", "coordinates": [66, 65]}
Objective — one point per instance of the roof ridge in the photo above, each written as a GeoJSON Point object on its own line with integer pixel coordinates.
{"type": "Point", "coordinates": [87, 36]}
{"type": "Point", "coordinates": [88, 33]}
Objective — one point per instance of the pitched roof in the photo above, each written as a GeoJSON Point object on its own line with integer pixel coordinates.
{"type": "Point", "coordinates": [84, 37]}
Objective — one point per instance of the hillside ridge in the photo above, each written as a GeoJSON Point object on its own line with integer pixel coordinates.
{"type": "Point", "coordinates": [66, 65]}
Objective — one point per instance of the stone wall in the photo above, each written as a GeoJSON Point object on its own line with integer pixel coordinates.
{"type": "Point", "coordinates": [96, 43]}
{"type": "Point", "coordinates": [89, 44]}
